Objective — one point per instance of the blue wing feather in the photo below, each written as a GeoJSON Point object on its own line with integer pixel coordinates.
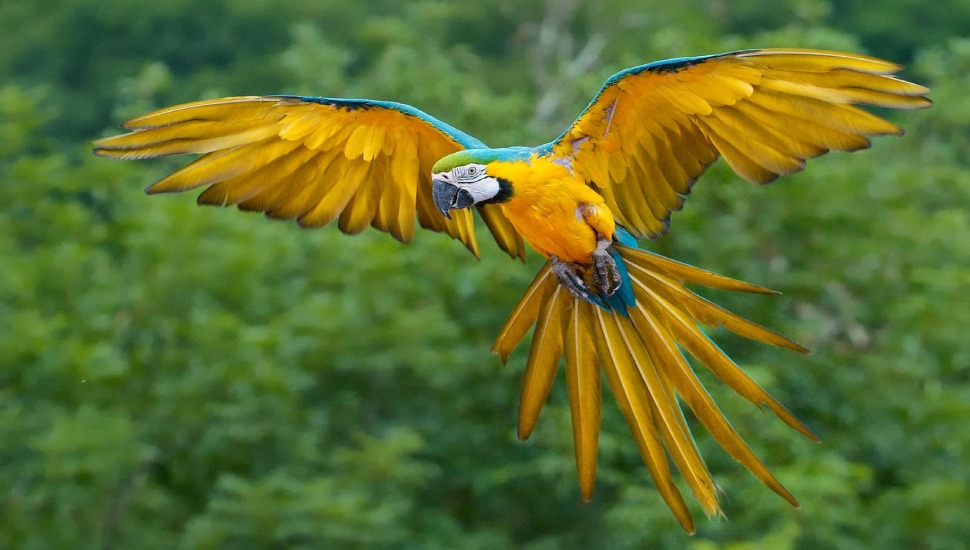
{"type": "Point", "coordinates": [463, 139]}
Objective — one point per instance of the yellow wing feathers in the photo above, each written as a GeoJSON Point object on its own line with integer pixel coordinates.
{"type": "Point", "coordinates": [653, 130]}
{"type": "Point", "coordinates": [317, 161]}
{"type": "Point", "coordinates": [629, 159]}
{"type": "Point", "coordinates": [641, 358]}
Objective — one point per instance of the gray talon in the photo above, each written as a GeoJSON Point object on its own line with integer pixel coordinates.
{"type": "Point", "coordinates": [605, 276]}
{"type": "Point", "coordinates": [570, 276]}
{"type": "Point", "coordinates": [605, 273]}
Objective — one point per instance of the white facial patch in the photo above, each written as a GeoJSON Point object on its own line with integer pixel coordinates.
{"type": "Point", "coordinates": [483, 189]}
{"type": "Point", "coordinates": [474, 179]}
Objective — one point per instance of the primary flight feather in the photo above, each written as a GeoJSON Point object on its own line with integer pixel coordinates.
{"type": "Point", "coordinates": [600, 305]}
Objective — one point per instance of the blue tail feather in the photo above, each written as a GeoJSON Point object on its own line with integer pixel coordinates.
{"type": "Point", "coordinates": [625, 238]}
{"type": "Point", "coordinates": [623, 298]}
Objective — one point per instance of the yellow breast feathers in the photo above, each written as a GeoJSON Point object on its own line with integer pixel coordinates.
{"type": "Point", "coordinates": [555, 211]}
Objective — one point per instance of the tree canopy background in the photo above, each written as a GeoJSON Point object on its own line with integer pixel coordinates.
{"type": "Point", "coordinates": [172, 376]}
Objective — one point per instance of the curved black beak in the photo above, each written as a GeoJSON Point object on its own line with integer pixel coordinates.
{"type": "Point", "coordinates": [449, 197]}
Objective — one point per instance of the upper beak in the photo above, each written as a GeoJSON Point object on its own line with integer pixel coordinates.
{"type": "Point", "coordinates": [449, 197]}
{"type": "Point", "coordinates": [444, 195]}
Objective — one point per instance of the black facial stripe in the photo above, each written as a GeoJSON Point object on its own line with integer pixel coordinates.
{"type": "Point", "coordinates": [463, 173]}
{"type": "Point", "coordinates": [476, 180]}
{"type": "Point", "coordinates": [504, 192]}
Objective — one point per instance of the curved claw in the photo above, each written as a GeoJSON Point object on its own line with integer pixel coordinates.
{"type": "Point", "coordinates": [605, 276]}
{"type": "Point", "coordinates": [570, 276]}
{"type": "Point", "coordinates": [605, 273]}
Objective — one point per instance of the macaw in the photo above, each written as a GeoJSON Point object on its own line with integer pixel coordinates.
{"type": "Point", "coordinates": [583, 201]}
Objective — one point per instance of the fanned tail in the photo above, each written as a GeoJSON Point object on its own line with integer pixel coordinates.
{"type": "Point", "coordinates": [641, 352]}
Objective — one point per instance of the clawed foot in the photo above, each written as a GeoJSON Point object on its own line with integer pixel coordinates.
{"type": "Point", "coordinates": [605, 273]}
{"type": "Point", "coordinates": [572, 276]}
{"type": "Point", "coordinates": [605, 276]}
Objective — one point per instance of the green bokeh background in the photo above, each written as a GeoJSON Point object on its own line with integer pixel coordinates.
{"type": "Point", "coordinates": [178, 377]}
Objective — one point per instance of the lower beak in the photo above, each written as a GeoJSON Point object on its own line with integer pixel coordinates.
{"type": "Point", "coordinates": [449, 197]}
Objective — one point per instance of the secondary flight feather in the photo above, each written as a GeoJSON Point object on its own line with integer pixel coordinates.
{"type": "Point", "coordinates": [600, 305]}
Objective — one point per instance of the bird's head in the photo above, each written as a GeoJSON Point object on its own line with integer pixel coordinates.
{"type": "Point", "coordinates": [462, 179]}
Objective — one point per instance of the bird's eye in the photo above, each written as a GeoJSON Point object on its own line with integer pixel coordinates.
{"type": "Point", "coordinates": [472, 170]}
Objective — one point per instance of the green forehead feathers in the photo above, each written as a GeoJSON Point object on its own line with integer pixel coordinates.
{"type": "Point", "coordinates": [480, 156]}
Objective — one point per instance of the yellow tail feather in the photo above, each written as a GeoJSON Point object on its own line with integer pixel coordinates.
{"type": "Point", "coordinates": [642, 357]}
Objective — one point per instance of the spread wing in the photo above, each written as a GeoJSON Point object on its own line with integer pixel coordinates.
{"type": "Point", "coordinates": [316, 160]}
{"type": "Point", "coordinates": [653, 129]}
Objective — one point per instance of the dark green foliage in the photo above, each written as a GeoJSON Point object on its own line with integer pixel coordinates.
{"type": "Point", "coordinates": [176, 376]}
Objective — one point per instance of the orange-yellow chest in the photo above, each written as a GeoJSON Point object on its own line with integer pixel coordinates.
{"type": "Point", "coordinates": [547, 208]}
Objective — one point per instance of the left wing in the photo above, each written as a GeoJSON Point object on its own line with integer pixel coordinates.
{"type": "Point", "coordinates": [359, 162]}
{"type": "Point", "coordinates": [653, 129]}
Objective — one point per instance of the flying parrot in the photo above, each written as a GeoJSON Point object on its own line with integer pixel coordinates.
{"type": "Point", "coordinates": [582, 201]}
